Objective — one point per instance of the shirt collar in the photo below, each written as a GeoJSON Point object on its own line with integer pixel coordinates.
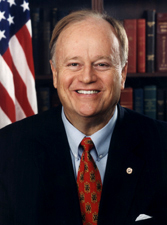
{"type": "Point", "coordinates": [100, 139]}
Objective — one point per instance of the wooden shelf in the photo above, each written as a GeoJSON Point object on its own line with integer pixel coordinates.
{"type": "Point", "coordinates": [146, 75]}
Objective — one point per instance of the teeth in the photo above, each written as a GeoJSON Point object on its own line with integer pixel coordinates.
{"type": "Point", "coordinates": [87, 92]}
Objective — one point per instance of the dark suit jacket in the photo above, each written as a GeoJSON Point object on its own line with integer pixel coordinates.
{"type": "Point", "coordinates": [37, 183]}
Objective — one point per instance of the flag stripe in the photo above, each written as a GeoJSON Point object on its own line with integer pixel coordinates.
{"type": "Point", "coordinates": [20, 87]}
{"type": "Point", "coordinates": [25, 40]}
{"type": "Point", "coordinates": [6, 100]}
{"type": "Point", "coordinates": [4, 119]}
{"type": "Point", "coordinates": [23, 70]}
{"type": "Point", "coordinates": [20, 113]}
{"type": "Point", "coordinates": [6, 78]}
{"type": "Point", "coordinates": [28, 24]}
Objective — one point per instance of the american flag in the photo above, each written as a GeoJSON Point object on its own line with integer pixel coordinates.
{"type": "Point", "coordinates": [17, 79]}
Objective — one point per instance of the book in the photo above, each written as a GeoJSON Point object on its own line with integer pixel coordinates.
{"type": "Point", "coordinates": [138, 104]}
{"type": "Point", "coordinates": [161, 104]}
{"type": "Point", "coordinates": [130, 26]}
{"type": "Point", "coordinates": [40, 38]}
{"type": "Point", "coordinates": [55, 101]}
{"type": "Point", "coordinates": [62, 13]}
{"type": "Point", "coordinates": [141, 45]}
{"type": "Point", "coordinates": [126, 98]}
{"type": "Point", "coordinates": [161, 44]}
{"type": "Point", "coordinates": [44, 52]}
{"type": "Point", "coordinates": [45, 34]}
{"type": "Point", "coordinates": [53, 18]}
{"type": "Point", "coordinates": [150, 41]}
{"type": "Point", "coordinates": [150, 101]}
{"type": "Point", "coordinates": [35, 17]}
{"type": "Point", "coordinates": [165, 104]}
{"type": "Point", "coordinates": [43, 95]}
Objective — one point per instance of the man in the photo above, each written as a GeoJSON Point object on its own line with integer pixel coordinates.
{"type": "Point", "coordinates": [41, 156]}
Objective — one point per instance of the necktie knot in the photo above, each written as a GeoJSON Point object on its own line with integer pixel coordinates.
{"type": "Point", "coordinates": [87, 144]}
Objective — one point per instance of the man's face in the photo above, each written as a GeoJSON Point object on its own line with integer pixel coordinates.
{"type": "Point", "coordinates": [88, 74]}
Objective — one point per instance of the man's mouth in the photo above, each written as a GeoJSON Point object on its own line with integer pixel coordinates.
{"type": "Point", "coordinates": [90, 92]}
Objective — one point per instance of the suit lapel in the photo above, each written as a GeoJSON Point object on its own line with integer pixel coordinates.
{"type": "Point", "coordinates": [119, 184]}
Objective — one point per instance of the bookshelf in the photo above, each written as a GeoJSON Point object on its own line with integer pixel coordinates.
{"type": "Point", "coordinates": [122, 9]}
{"type": "Point", "coordinates": [61, 4]}
{"type": "Point", "coordinates": [130, 9]}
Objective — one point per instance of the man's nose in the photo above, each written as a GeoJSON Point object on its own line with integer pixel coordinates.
{"type": "Point", "coordinates": [88, 75]}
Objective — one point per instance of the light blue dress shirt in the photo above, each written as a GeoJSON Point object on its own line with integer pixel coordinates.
{"type": "Point", "coordinates": [101, 140]}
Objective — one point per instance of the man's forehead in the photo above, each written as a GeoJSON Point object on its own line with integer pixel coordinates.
{"type": "Point", "coordinates": [89, 23]}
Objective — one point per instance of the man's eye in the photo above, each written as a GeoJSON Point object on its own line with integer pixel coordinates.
{"type": "Point", "coordinates": [102, 64]}
{"type": "Point", "coordinates": [74, 64]}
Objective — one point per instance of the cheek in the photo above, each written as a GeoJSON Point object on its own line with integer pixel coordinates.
{"type": "Point", "coordinates": [62, 78]}
{"type": "Point", "coordinates": [117, 80]}
{"type": "Point", "coordinates": [114, 86]}
{"type": "Point", "coordinates": [112, 81]}
{"type": "Point", "coordinates": [64, 83]}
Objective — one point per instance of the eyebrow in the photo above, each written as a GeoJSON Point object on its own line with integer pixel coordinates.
{"type": "Point", "coordinates": [99, 57]}
{"type": "Point", "coordinates": [103, 57]}
{"type": "Point", "coordinates": [73, 58]}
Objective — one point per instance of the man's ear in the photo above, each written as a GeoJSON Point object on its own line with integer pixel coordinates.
{"type": "Point", "coordinates": [123, 76]}
{"type": "Point", "coordinates": [54, 73]}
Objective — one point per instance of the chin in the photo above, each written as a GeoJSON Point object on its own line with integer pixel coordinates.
{"type": "Point", "coordinates": [87, 114]}
{"type": "Point", "coordinates": [86, 109]}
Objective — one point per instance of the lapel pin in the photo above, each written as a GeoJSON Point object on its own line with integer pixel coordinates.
{"type": "Point", "coordinates": [129, 170]}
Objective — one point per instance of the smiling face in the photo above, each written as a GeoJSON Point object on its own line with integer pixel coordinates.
{"type": "Point", "coordinates": [88, 74]}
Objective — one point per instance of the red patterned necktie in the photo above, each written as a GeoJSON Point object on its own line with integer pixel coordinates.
{"type": "Point", "coordinates": [89, 185]}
